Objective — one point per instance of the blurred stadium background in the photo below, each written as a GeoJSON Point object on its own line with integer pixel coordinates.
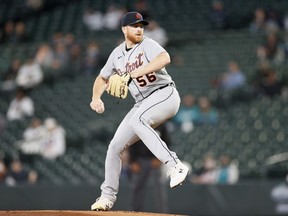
{"type": "Point", "coordinates": [250, 130]}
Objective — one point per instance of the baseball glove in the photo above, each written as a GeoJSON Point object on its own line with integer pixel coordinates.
{"type": "Point", "coordinates": [118, 85]}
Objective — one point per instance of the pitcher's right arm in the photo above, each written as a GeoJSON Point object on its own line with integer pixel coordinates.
{"type": "Point", "coordinates": [99, 87]}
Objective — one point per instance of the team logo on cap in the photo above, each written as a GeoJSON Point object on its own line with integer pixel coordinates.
{"type": "Point", "coordinates": [138, 16]}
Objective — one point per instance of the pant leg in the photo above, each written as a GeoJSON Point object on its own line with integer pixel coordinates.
{"type": "Point", "coordinates": [154, 110]}
{"type": "Point", "coordinates": [123, 137]}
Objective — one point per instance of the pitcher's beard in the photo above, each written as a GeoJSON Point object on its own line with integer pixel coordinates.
{"type": "Point", "coordinates": [135, 39]}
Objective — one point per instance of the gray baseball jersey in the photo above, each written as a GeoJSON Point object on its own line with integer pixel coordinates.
{"type": "Point", "coordinates": [121, 61]}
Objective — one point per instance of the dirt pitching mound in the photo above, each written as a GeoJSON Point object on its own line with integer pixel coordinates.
{"type": "Point", "coordinates": [80, 213]}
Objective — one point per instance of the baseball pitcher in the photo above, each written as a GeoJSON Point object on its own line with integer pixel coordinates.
{"type": "Point", "coordinates": [137, 65]}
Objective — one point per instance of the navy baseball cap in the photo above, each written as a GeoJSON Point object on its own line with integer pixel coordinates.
{"type": "Point", "coordinates": [131, 18]}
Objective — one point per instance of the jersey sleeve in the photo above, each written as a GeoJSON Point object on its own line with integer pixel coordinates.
{"type": "Point", "coordinates": [109, 67]}
{"type": "Point", "coordinates": [152, 49]}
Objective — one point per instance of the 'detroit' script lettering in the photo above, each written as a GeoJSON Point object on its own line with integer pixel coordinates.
{"type": "Point", "coordinates": [132, 66]}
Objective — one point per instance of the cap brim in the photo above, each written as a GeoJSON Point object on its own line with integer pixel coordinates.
{"type": "Point", "coordinates": [144, 22]}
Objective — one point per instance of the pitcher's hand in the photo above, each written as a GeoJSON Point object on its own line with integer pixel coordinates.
{"type": "Point", "coordinates": [97, 105]}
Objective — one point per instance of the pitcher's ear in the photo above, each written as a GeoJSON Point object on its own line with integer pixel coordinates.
{"type": "Point", "coordinates": [124, 29]}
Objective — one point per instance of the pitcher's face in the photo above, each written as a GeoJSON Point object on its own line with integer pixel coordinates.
{"type": "Point", "coordinates": [134, 33]}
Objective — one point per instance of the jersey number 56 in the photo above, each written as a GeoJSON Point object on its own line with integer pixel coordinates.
{"type": "Point", "coordinates": [146, 78]}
